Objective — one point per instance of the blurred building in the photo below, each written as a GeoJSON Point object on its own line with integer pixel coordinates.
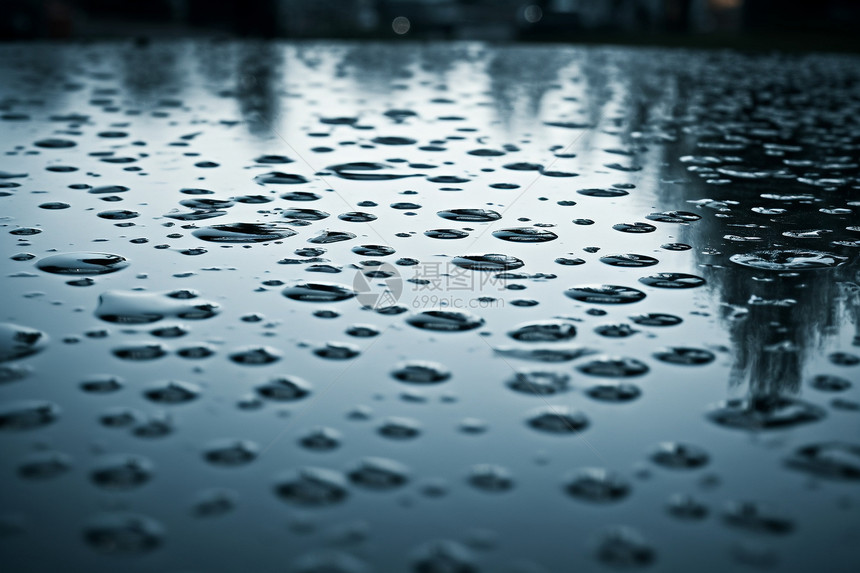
{"type": "Point", "coordinates": [554, 20]}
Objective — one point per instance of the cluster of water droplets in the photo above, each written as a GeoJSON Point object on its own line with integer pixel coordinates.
{"type": "Point", "coordinates": [496, 320]}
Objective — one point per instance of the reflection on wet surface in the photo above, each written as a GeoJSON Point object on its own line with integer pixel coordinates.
{"type": "Point", "coordinates": [335, 307]}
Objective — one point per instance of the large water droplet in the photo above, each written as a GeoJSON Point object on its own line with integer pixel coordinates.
{"type": "Point", "coordinates": [133, 307]}
{"type": "Point", "coordinates": [613, 367]}
{"type": "Point", "coordinates": [788, 260]}
{"type": "Point", "coordinates": [231, 452]}
{"type": "Point", "coordinates": [596, 485]}
{"type": "Point", "coordinates": [672, 280]}
{"type": "Point", "coordinates": [525, 235]}
{"type": "Point", "coordinates": [121, 472]}
{"type": "Point", "coordinates": [488, 262]}
{"type": "Point", "coordinates": [675, 455]}
{"type": "Point", "coordinates": [312, 487]}
{"type": "Point", "coordinates": [27, 415]}
{"type": "Point", "coordinates": [557, 420]}
{"type": "Point", "coordinates": [544, 331]}
{"type": "Point", "coordinates": [82, 264]}
{"type": "Point", "coordinates": [318, 292]}
{"type": "Point", "coordinates": [243, 233]}
{"type": "Point", "coordinates": [421, 372]}
{"type": "Point", "coordinates": [379, 474]}
{"type": "Point", "coordinates": [18, 341]}
{"type": "Point", "coordinates": [605, 294]}
{"type": "Point", "coordinates": [828, 460]}
{"type": "Point", "coordinates": [445, 320]}
{"type": "Point", "coordinates": [765, 413]}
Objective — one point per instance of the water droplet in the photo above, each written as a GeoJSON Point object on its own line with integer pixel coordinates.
{"type": "Point", "coordinates": [672, 280]}
{"type": "Point", "coordinates": [214, 502]}
{"type": "Point", "coordinates": [830, 383]}
{"type": "Point", "coordinates": [123, 534]}
{"type": "Point", "coordinates": [357, 217]}
{"type": "Point", "coordinates": [615, 330]}
{"type": "Point", "coordinates": [55, 143]}
{"type": "Point", "coordinates": [421, 372]}
{"type": "Point", "coordinates": [603, 192]}
{"type": "Point", "coordinates": [279, 178]}
{"type": "Point", "coordinates": [596, 485]}
{"type": "Point", "coordinates": [788, 260]}
{"type": "Point", "coordinates": [326, 237]}
{"type": "Point", "coordinates": [756, 517]}
{"type": "Point", "coordinates": [122, 472]}
{"type": "Point", "coordinates": [673, 217]}
{"type": "Point", "coordinates": [544, 331]}
{"type": "Point", "coordinates": [363, 331]}
{"type": "Point", "coordinates": [255, 355]}
{"type": "Point", "coordinates": [569, 262]}
{"type": "Point", "coordinates": [624, 548]}
{"type": "Point", "coordinates": [132, 307]}
{"type": "Point", "coordinates": [318, 292]}
{"type": "Point", "coordinates": [18, 341]}
{"type": "Point", "coordinates": [470, 215]}
{"type": "Point", "coordinates": [27, 415]}
{"type": "Point", "coordinates": [44, 466]}
{"type": "Point", "coordinates": [312, 487]}
{"type": "Point", "coordinates": [398, 428]}
{"type": "Point", "coordinates": [843, 359]}
{"type": "Point", "coordinates": [141, 352]}
{"type": "Point", "coordinates": [605, 294]}
{"type": "Point", "coordinates": [656, 319]}
{"type": "Point", "coordinates": [489, 262]}
{"type": "Point", "coordinates": [525, 235]}
{"type": "Point", "coordinates": [365, 171]}
{"type": "Point", "coordinates": [634, 227]}
{"type": "Point", "coordinates": [373, 250]}
{"type": "Point", "coordinates": [538, 382]}
{"type": "Point", "coordinates": [617, 392]}
{"type": "Point", "coordinates": [118, 215]}
{"type": "Point", "coordinates": [305, 214]}
{"type": "Point", "coordinates": [273, 159]}
{"type": "Point", "coordinates": [101, 384]}
{"type": "Point", "coordinates": [765, 413]}
{"type": "Point", "coordinates": [321, 439]}
{"type": "Point", "coordinates": [613, 367]}
{"type": "Point", "coordinates": [337, 351]}
{"type": "Point", "coordinates": [827, 460]}
{"type": "Point", "coordinates": [243, 233]}
{"type": "Point", "coordinates": [446, 234]}
{"type": "Point", "coordinates": [82, 264]}
{"type": "Point", "coordinates": [685, 356]}
{"type": "Point", "coordinates": [544, 354]}
{"type": "Point", "coordinates": [443, 557]}
{"type": "Point", "coordinates": [686, 507]}
{"type": "Point", "coordinates": [490, 478]}
{"type": "Point", "coordinates": [379, 474]}
{"type": "Point", "coordinates": [675, 455]}
{"type": "Point", "coordinates": [445, 320]}
{"type": "Point", "coordinates": [231, 452]}
{"type": "Point", "coordinates": [285, 389]}
{"type": "Point", "coordinates": [629, 260]}
{"type": "Point", "coordinates": [557, 420]}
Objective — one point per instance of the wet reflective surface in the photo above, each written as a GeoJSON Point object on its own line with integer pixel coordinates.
{"type": "Point", "coordinates": [337, 307]}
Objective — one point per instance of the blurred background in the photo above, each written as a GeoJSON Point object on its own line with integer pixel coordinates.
{"type": "Point", "coordinates": [785, 24]}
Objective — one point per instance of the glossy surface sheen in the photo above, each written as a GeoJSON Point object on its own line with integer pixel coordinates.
{"type": "Point", "coordinates": [396, 307]}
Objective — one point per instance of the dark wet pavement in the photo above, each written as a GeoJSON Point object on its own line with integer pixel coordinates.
{"type": "Point", "coordinates": [428, 307]}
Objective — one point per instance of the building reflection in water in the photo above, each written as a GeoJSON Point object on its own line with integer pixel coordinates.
{"type": "Point", "coordinates": [764, 183]}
